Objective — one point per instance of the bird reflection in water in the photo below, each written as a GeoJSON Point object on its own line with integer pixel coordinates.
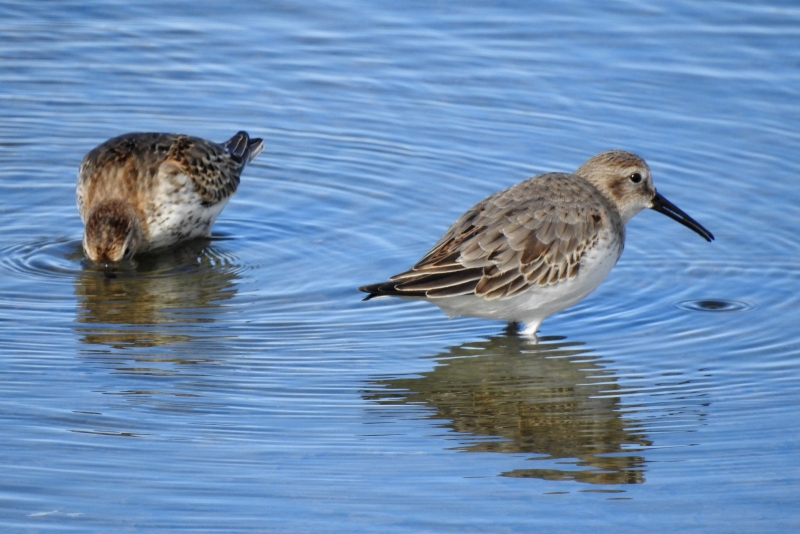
{"type": "Point", "coordinates": [155, 300]}
{"type": "Point", "coordinates": [554, 399]}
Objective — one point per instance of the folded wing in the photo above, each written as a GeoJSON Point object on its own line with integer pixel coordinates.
{"type": "Point", "coordinates": [509, 242]}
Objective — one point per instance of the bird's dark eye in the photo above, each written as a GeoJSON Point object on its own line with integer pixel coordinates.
{"type": "Point", "coordinates": [636, 177]}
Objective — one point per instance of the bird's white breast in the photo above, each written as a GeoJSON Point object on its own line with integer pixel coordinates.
{"type": "Point", "coordinates": [176, 212]}
{"type": "Point", "coordinates": [538, 302]}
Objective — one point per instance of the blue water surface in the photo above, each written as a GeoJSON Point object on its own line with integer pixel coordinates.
{"type": "Point", "coordinates": [240, 384]}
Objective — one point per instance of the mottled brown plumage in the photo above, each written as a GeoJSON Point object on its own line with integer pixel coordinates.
{"type": "Point", "coordinates": [537, 247]}
{"type": "Point", "coordinates": [143, 191]}
{"type": "Point", "coordinates": [512, 240]}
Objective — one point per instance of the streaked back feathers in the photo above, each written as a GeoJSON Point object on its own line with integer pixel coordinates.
{"type": "Point", "coordinates": [172, 187]}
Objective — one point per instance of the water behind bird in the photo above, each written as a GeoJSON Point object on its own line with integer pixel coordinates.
{"type": "Point", "coordinates": [239, 383]}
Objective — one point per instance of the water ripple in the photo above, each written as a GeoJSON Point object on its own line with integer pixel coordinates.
{"type": "Point", "coordinates": [45, 261]}
{"type": "Point", "coordinates": [714, 305]}
{"type": "Point", "coordinates": [249, 370]}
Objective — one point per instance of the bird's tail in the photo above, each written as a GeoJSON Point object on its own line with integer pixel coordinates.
{"type": "Point", "coordinates": [387, 289]}
{"type": "Point", "coordinates": [242, 147]}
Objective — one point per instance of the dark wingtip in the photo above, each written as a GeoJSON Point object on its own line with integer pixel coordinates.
{"type": "Point", "coordinates": [371, 289]}
{"type": "Point", "coordinates": [237, 145]}
{"type": "Point", "coordinates": [242, 147]}
{"type": "Point", "coordinates": [254, 148]}
{"type": "Point", "coordinates": [383, 289]}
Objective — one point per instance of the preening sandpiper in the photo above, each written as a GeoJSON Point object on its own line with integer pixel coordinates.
{"type": "Point", "coordinates": [538, 247]}
{"type": "Point", "coordinates": [144, 191]}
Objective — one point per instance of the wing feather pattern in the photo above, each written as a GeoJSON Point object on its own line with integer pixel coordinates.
{"type": "Point", "coordinates": [532, 234]}
{"type": "Point", "coordinates": [214, 168]}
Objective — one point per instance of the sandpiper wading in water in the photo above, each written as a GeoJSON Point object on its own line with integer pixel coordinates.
{"type": "Point", "coordinates": [538, 247]}
{"type": "Point", "coordinates": [144, 191]}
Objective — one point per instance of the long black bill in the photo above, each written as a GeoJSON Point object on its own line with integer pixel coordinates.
{"type": "Point", "coordinates": [662, 205]}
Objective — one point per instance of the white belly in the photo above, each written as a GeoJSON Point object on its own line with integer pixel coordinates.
{"type": "Point", "coordinates": [532, 306]}
{"type": "Point", "coordinates": [176, 212]}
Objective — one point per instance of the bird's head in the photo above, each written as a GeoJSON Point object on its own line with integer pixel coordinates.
{"type": "Point", "coordinates": [624, 178]}
{"type": "Point", "coordinates": [112, 232]}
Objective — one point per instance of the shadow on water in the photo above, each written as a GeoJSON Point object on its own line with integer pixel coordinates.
{"type": "Point", "coordinates": [156, 300]}
{"type": "Point", "coordinates": [553, 399]}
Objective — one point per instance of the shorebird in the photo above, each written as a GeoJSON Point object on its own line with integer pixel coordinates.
{"type": "Point", "coordinates": [144, 191]}
{"type": "Point", "coordinates": [538, 247]}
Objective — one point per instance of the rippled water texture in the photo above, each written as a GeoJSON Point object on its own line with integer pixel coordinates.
{"type": "Point", "coordinates": [239, 384]}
